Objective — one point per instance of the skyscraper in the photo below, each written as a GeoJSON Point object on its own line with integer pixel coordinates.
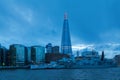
{"type": "Point", "coordinates": [66, 41]}
{"type": "Point", "coordinates": [49, 48]}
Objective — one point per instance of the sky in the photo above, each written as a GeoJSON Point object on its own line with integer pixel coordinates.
{"type": "Point", "coordinates": [38, 22]}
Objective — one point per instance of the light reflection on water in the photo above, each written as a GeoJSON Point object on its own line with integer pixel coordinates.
{"type": "Point", "coordinates": [61, 74]}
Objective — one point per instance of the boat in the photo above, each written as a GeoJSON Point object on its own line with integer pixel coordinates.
{"type": "Point", "coordinates": [71, 66]}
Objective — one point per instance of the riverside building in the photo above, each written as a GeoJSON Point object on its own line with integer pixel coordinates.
{"type": "Point", "coordinates": [66, 40]}
{"type": "Point", "coordinates": [3, 56]}
{"type": "Point", "coordinates": [18, 55]}
{"type": "Point", "coordinates": [37, 54]}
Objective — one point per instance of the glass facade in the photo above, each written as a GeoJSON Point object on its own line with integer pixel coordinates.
{"type": "Point", "coordinates": [18, 54]}
{"type": "Point", "coordinates": [55, 49]}
{"type": "Point", "coordinates": [37, 54]}
{"type": "Point", "coordinates": [90, 54]}
{"type": "Point", "coordinates": [3, 56]}
{"type": "Point", "coordinates": [66, 40]}
{"type": "Point", "coordinates": [49, 48]}
{"type": "Point", "coordinates": [28, 54]}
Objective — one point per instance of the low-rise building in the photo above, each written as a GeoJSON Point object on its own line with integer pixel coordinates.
{"type": "Point", "coordinates": [90, 57]}
{"type": "Point", "coordinates": [54, 57]}
{"type": "Point", "coordinates": [117, 59]}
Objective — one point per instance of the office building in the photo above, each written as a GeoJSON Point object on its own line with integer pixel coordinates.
{"type": "Point", "coordinates": [28, 51]}
{"type": "Point", "coordinates": [117, 59]}
{"type": "Point", "coordinates": [3, 56]}
{"type": "Point", "coordinates": [37, 54]}
{"type": "Point", "coordinates": [52, 49]}
{"type": "Point", "coordinates": [49, 48]}
{"type": "Point", "coordinates": [90, 57]}
{"type": "Point", "coordinates": [55, 49]}
{"type": "Point", "coordinates": [18, 55]}
{"type": "Point", "coordinates": [66, 40]}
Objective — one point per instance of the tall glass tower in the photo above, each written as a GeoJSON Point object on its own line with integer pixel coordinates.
{"type": "Point", "coordinates": [66, 41]}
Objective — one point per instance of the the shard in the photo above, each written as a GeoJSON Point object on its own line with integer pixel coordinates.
{"type": "Point", "coordinates": [66, 40]}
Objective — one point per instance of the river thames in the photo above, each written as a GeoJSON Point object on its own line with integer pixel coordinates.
{"type": "Point", "coordinates": [61, 74]}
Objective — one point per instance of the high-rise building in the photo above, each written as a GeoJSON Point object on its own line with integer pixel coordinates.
{"type": "Point", "coordinates": [55, 49]}
{"type": "Point", "coordinates": [8, 58]}
{"type": "Point", "coordinates": [18, 55]}
{"type": "Point", "coordinates": [0, 57]}
{"type": "Point", "coordinates": [3, 56]}
{"type": "Point", "coordinates": [49, 48]}
{"type": "Point", "coordinates": [66, 40]}
{"type": "Point", "coordinates": [37, 54]}
{"type": "Point", "coordinates": [28, 51]}
{"type": "Point", "coordinates": [52, 49]}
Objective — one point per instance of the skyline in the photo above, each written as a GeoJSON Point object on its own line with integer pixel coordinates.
{"type": "Point", "coordinates": [40, 22]}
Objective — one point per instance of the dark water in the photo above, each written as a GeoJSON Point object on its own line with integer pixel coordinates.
{"type": "Point", "coordinates": [63, 74]}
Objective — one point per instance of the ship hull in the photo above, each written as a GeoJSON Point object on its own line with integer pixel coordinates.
{"type": "Point", "coordinates": [33, 67]}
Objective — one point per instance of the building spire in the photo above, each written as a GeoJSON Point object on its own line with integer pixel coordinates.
{"type": "Point", "coordinates": [66, 47]}
{"type": "Point", "coordinates": [65, 16]}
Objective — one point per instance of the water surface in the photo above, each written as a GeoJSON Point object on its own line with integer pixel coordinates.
{"type": "Point", "coordinates": [61, 74]}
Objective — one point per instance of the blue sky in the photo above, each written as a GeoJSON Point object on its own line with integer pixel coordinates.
{"type": "Point", "coordinates": [32, 22]}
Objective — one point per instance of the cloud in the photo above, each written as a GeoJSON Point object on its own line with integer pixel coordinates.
{"type": "Point", "coordinates": [111, 35]}
{"type": "Point", "coordinates": [23, 12]}
{"type": "Point", "coordinates": [110, 49]}
{"type": "Point", "coordinates": [83, 46]}
{"type": "Point", "coordinates": [40, 22]}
